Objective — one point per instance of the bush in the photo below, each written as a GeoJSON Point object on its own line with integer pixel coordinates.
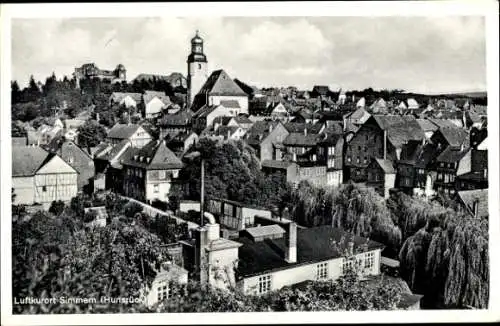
{"type": "Point", "coordinates": [57, 207]}
{"type": "Point", "coordinates": [132, 208]}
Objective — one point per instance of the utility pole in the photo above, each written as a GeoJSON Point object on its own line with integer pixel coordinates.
{"type": "Point", "coordinates": [202, 194]}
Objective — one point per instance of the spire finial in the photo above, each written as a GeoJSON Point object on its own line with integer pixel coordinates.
{"type": "Point", "coordinates": [197, 31]}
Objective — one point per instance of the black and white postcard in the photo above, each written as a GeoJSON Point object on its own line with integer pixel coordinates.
{"type": "Point", "coordinates": [284, 162]}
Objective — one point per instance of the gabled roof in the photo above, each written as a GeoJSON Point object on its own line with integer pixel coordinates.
{"type": "Point", "coordinates": [118, 96]}
{"type": "Point", "coordinates": [313, 245]}
{"type": "Point", "coordinates": [219, 83]}
{"type": "Point", "coordinates": [427, 125]}
{"type": "Point", "coordinates": [224, 130]}
{"type": "Point", "coordinates": [122, 131]}
{"type": "Point", "coordinates": [180, 118]}
{"type": "Point", "coordinates": [469, 196]}
{"type": "Point", "coordinates": [112, 153]}
{"type": "Point", "coordinates": [452, 154]}
{"type": "Point", "coordinates": [27, 160]}
{"type": "Point", "coordinates": [150, 95]}
{"type": "Point", "coordinates": [321, 89]}
{"type": "Point", "coordinates": [454, 136]}
{"type": "Point", "coordinates": [154, 156]}
{"type": "Point", "coordinates": [400, 129]}
{"type": "Point", "coordinates": [242, 120]}
{"type": "Point", "coordinates": [297, 126]}
{"type": "Point", "coordinates": [259, 131]}
{"type": "Point", "coordinates": [301, 139]}
{"type": "Point", "coordinates": [205, 110]}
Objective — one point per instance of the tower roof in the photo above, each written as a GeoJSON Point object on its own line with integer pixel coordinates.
{"type": "Point", "coordinates": [197, 39]}
{"type": "Point", "coordinates": [219, 83]}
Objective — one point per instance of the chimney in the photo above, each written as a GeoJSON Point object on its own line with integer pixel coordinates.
{"type": "Point", "coordinates": [475, 207]}
{"type": "Point", "coordinates": [291, 243]}
{"type": "Point", "coordinates": [201, 236]}
{"type": "Point", "coordinates": [385, 144]}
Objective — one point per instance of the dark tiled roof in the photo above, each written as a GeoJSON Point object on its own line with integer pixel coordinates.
{"type": "Point", "coordinates": [26, 160]}
{"type": "Point", "coordinates": [205, 111]}
{"type": "Point", "coordinates": [259, 131]}
{"type": "Point", "coordinates": [115, 150]}
{"type": "Point", "coordinates": [313, 245]}
{"type": "Point", "coordinates": [122, 131]}
{"type": "Point", "coordinates": [223, 130]}
{"type": "Point", "coordinates": [156, 156]}
{"type": "Point", "coordinates": [321, 89]}
{"type": "Point", "coordinates": [219, 83]}
{"type": "Point", "coordinates": [427, 125]}
{"type": "Point", "coordinates": [400, 129]}
{"type": "Point", "coordinates": [276, 164]}
{"type": "Point", "coordinates": [181, 118]}
{"type": "Point", "coordinates": [301, 139]}
{"type": "Point", "coordinates": [442, 123]}
{"type": "Point", "coordinates": [454, 136]}
{"type": "Point", "coordinates": [298, 126]}
{"type": "Point", "coordinates": [469, 196]}
{"type": "Point", "coordinates": [452, 155]}
{"type": "Point", "coordinates": [149, 95]}
{"type": "Point", "coordinates": [242, 119]}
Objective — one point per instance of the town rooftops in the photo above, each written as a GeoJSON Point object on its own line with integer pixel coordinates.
{"type": "Point", "coordinates": [301, 139]}
{"type": "Point", "coordinates": [427, 125]}
{"type": "Point", "coordinates": [181, 118]}
{"type": "Point", "coordinates": [259, 131]}
{"type": "Point", "coordinates": [110, 154]}
{"type": "Point", "coordinates": [242, 120]}
{"type": "Point", "coordinates": [118, 96]}
{"type": "Point", "coordinates": [219, 83]}
{"type": "Point", "coordinates": [313, 245]}
{"type": "Point", "coordinates": [454, 136]}
{"type": "Point", "coordinates": [150, 95]}
{"type": "Point", "coordinates": [154, 156]}
{"type": "Point", "coordinates": [27, 160]}
{"type": "Point", "coordinates": [321, 89]}
{"type": "Point", "coordinates": [225, 130]}
{"type": "Point", "coordinates": [205, 110]}
{"type": "Point", "coordinates": [297, 126]}
{"type": "Point", "coordinates": [400, 129]}
{"type": "Point", "coordinates": [452, 154]}
{"type": "Point", "coordinates": [468, 197]}
{"type": "Point", "coordinates": [122, 131]}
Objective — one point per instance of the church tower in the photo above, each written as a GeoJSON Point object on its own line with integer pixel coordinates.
{"type": "Point", "coordinates": [197, 68]}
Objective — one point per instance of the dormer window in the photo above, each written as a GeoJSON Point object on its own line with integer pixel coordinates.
{"type": "Point", "coordinates": [136, 157]}
{"type": "Point", "coordinates": [141, 159]}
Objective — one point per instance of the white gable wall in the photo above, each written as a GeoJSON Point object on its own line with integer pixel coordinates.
{"type": "Point", "coordinates": [154, 107]}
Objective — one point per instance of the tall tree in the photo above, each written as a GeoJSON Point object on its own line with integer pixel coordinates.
{"type": "Point", "coordinates": [91, 134]}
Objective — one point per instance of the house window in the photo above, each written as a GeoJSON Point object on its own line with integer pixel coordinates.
{"type": "Point", "coordinates": [348, 159]}
{"type": "Point", "coordinates": [359, 148]}
{"type": "Point", "coordinates": [161, 174]}
{"type": "Point", "coordinates": [44, 188]}
{"type": "Point", "coordinates": [163, 292]}
{"type": "Point", "coordinates": [347, 263]}
{"type": "Point", "coordinates": [322, 271]}
{"type": "Point", "coordinates": [264, 284]}
{"type": "Point", "coordinates": [369, 259]}
{"type": "Point", "coordinates": [156, 188]}
{"type": "Point", "coordinates": [365, 160]}
{"type": "Point", "coordinates": [357, 159]}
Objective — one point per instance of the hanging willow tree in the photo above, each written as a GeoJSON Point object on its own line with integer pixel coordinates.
{"type": "Point", "coordinates": [449, 264]}
{"type": "Point", "coordinates": [350, 207]}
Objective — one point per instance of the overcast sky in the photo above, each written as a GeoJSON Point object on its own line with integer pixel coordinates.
{"type": "Point", "coordinates": [420, 54]}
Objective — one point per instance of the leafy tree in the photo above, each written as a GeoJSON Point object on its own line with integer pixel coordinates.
{"type": "Point", "coordinates": [56, 258]}
{"type": "Point", "coordinates": [15, 92]}
{"type": "Point", "coordinates": [447, 261]}
{"type": "Point", "coordinates": [91, 134]}
{"type": "Point", "coordinates": [57, 207]}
